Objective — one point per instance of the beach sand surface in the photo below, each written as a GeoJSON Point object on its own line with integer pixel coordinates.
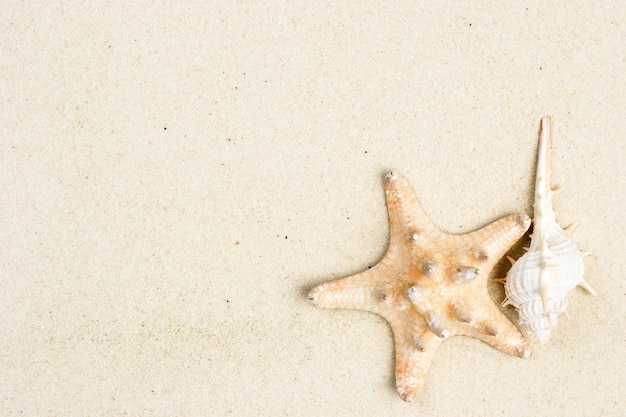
{"type": "Point", "coordinates": [177, 175]}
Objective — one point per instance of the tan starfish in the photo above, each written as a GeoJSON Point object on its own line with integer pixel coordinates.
{"type": "Point", "coordinates": [430, 285]}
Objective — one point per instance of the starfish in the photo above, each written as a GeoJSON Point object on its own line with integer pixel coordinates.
{"type": "Point", "coordinates": [430, 285]}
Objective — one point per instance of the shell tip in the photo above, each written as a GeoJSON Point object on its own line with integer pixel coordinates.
{"type": "Point", "coordinates": [588, 287]}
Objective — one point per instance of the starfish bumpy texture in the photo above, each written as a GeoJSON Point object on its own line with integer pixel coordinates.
{"type": "Point", "coordinates": [430, 285]}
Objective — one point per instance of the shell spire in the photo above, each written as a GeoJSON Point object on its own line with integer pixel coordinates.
{"type": "Point", "coordinates": [544, 217]}
{"type": "Point", "coordinates": [538, 283]}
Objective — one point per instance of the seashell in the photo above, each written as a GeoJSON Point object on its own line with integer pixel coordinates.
{"type": "Point", "coordinates": [538, 283]}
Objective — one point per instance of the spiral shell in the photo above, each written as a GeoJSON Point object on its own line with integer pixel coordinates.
{"type": "Point", "coordinates": [538, 283]}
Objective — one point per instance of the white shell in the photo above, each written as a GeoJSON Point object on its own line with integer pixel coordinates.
{"type": "Point", "coordinates": [538, 283]}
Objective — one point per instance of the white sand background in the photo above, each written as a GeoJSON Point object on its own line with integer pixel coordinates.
{"type": "Point", "coordinates": [176, 176]}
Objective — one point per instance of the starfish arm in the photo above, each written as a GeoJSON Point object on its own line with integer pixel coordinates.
{"type": "Point", "coordinates": [494, 328]}
{"type": "Point", "coordinates": [359, 292]}
{"type": "Point", "coordinates": [497, 238]}
{"type": "Point", "coordinates": [415, 347]}
{"type": "Point", "coordinates": [405, 211]}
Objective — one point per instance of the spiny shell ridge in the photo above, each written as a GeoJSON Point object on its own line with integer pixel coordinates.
{"type": "Point", "coordinates": [538, 283]}
{"type": "Point", "coordinates": [558, 263]}
{"type": "Point", "coordinates": [533, 310]}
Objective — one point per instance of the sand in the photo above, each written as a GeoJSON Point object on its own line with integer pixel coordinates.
{"type": "Point", "coordinates": [175, 177]}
